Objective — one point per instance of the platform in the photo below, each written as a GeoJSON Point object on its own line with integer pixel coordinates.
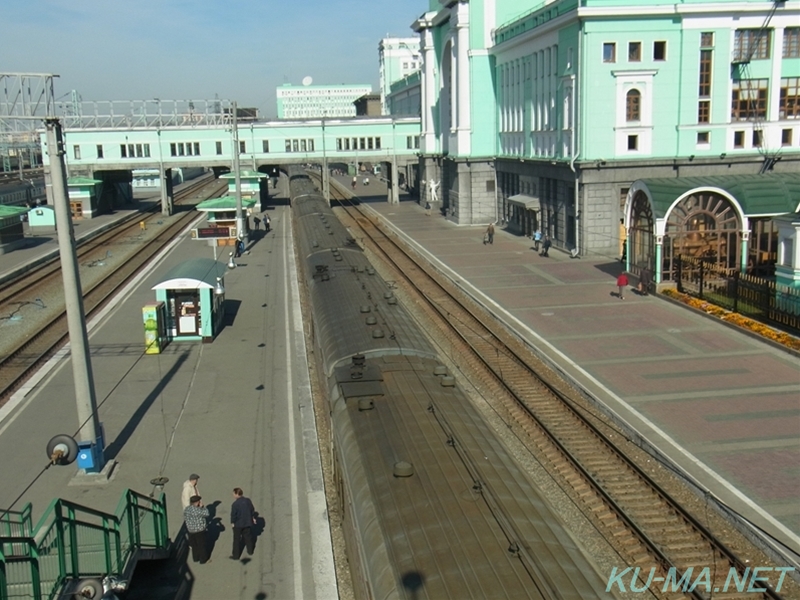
{"type": "Point", "coordinates": [723, 405]}
{"type": "Point", "coordinates": [236, 411]}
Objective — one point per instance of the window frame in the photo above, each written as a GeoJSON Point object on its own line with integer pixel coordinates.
{"type": "Point", "coordinates": [609, 46]}
{"type": "Point", "coordinates": [660, 44]}
{"type": "Point", "coordinates": [634, 52]}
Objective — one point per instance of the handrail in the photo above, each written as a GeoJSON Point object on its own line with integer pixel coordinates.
{"type": "Point", "coordinates": [72, 541]}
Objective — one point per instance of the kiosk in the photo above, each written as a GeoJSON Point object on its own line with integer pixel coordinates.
{"type": "Point", "coordinates": [221, 212]}
{"type": "Point", "coordinates": [194, 301]}
{"type": "Point", "coordinates": [12, 234]}
{"type": "Point", "coordinates": [250, 182]}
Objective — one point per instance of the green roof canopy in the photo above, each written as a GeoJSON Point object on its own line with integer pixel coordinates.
{"type": "Point", "coordinates": [82, 181]}
{"type": "Point", "coordinates": [759, 195]}
{"type": "Point", "coordinates": [224, 203]}
{"type": "Point", "coordinates": [12, 211]}
{"type": "Point", "coordinates": [244, 174]}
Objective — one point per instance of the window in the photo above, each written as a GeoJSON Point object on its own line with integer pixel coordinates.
{"type": "Point", "coordinates": [197, 148]}
{"type": "Point", "coordinates": [738, 139]}
{"type": "Point", "coordinates": [139, 151]}
{"type": "Point", "coordinates": [633, 142]}
{"type": "Point", "coordinates": [147, 150]}
{"type": "Point", "coordinates": [704, 87]}
{"type": "Point", "coordinates": [181, 149]}
{"type": "Point", "coordinates": [704, 111]}
{"type": "Point", "coordinates": [123, 152]}
{"type": "Point", "coordinates": [751, 44]}
{"type": "Point", "coordinates": [99, 150]}
{"type": "Point", "coordinates": [310, 145]}
{"type": "Point", "coordinates": [791, 42]}
{"type": "Point", "coordinates": [703, 137]}
{"type": "Point", "coordinates": [219, 148]}
{"type": "Point", "coordinates": [76, 152]}
{"type": "Point", "coordinates": [786, 137]}
{"type": "Point", "coordinates": [288, 145]}
{"type": "Point", "coordinates": [609, 52]}
{"type": "Point", "coordinates": [749, 99]}
{"type": "Point", "coordinates": [789, 106]}
{"type": "Point", "coordinates": [633, 106]}
{"type": "Point", "coordinates": [634, 51]}
{"type": "Point", "coordinates": [707, 39]}
{"type": "Point", "coordinates": [265, 146]}
{"type": "Point", "coordinates": [131, 151]}
{"type": "Point", "coordinates": [757, 136]}
{"type": "Point", "coordinates": [302, 145]}
{"type": "Point", "coordinates": [659, 50]}
{"type": "Point", "coordinates": [362, 144]}
{"type": "Point", "coordinates": [295, 145]}
{"type": "Point", "coordinates": [242, 147]}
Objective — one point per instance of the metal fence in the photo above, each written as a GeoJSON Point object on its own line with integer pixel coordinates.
{"type": "Point", "coordinates": [749, 295]}
{"type": "Point", "coordinates": [72, 542]}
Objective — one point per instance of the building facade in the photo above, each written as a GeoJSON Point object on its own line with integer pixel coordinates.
{"type": "Point", "coordinates": [318, 101]}
{"type": "Point", "coordinates": [397, 58]}
{"type": "Point", "coordinates": [545, 114]}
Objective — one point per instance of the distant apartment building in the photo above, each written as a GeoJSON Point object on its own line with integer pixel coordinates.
{"type": "Point", "coordinates": [315, 101]}
{"type": "Point", "coordinates": [398, 58]}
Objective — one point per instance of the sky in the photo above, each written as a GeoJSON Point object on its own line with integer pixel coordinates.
{"type": "Point", "coordinates": [240, 50]}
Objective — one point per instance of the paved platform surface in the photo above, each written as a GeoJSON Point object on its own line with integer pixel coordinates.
{"type": "Point", "coordinates": [236, 411]}
{"type": "Point", "coordinates": [724, 406]}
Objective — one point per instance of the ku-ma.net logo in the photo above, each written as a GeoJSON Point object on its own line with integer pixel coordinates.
{"type": "Point", "coordinates": [753, 580]}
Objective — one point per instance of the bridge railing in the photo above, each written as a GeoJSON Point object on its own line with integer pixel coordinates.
{"type": "Point", "coordinates": [71, 541]}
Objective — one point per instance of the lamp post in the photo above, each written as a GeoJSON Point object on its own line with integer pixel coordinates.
{"type": "Point", "coordinates": [90, 433]}
{"type": "Point", "coordinates": [241, 233]}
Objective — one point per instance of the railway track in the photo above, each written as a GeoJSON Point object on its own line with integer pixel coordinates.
{"type": "Point", "coordinates": [648, 527]}
{"type": "Point", "coordinates": [28, 353]}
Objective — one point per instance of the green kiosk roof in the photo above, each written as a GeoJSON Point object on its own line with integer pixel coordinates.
{"type": "Point", "coordinates": [224, 203]}
{"type": "Point", "coordinates": [12, 211]}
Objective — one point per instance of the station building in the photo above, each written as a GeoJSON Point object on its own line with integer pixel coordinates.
{"type": "Point", "coordinates": [398, 58]}
{"type": "Point", "coordinates": [316, 101]}
{"type": "Point", "coordinates": [565, 115]}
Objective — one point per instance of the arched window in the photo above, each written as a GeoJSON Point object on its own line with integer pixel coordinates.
{"type": "Point", "coordinates": [633, 106]}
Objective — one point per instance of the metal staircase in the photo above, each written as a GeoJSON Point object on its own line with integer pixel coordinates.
{"type": "Point", "coordinates": [72, 542]}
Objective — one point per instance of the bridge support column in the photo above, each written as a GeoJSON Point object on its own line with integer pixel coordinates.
{"type": "Point", "coordinates": [393, 189]}
{"type": "Point", "coordinates": [326, 182]}
{"type": "Point", "coordinates": [166, 191]}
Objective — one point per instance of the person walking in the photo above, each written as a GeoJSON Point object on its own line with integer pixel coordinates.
{"type": "Point", "coordinates": [189, 490]}
{"type": "Point", "coordinates": [622, 283]}
{"type": "Point", "coordinates": [267, 223]}
{"type": "Point", "coordinates": [256, 223]}
{"type": "Point", "coordinates": [537, 239]}
{"type": "Point", "coordinates": [196, 518]}
{"type": "Point", "coordinates": [242, 519]}
{"type": "Point", "coordinates": [355, 181]}
{"type": "Point", "coordinates": [490, 233]}
{"type": "Point", "coordinates": [546, 246]}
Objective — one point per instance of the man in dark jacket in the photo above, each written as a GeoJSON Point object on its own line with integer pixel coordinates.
{"type": "Point", "coordinates": [242, 519]}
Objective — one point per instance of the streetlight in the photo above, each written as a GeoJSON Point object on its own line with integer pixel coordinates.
{"type": "Point", "coordinates": [240, 229]}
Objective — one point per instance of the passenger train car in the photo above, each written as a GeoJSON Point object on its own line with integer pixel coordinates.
{"type": "Point", "coordinates": [433, 504]}
{"type": "Point", "coordinates": [23, 193]}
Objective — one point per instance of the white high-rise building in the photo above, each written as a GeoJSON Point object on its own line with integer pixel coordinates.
{"type": "Point", "coordinates": [398, 58]}
{"type": "Point", "coordinates": [315, 101]}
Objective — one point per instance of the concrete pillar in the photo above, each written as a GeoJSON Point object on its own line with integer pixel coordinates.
{"type": "Point", "coordinates": [428, 141]}
{"type": "Point", "coordinates": [659, 276]}
{"type": "Point", "coordinates": [166, 191]}
{"type": "Point", "coordinates": [463, 104]}
{"type": "Point", "coordinates": [744, 251]}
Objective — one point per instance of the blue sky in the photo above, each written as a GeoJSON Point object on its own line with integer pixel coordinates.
{"type": "Point", "coordinates": [180, 49]}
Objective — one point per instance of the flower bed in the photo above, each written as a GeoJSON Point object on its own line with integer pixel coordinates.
{"type": "Point", "coordinates": [736, 319]}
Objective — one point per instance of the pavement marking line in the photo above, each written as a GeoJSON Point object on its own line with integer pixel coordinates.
{"type": "Point", "coordinates": [324, 571]}
{"type": "Point", "coordinates": [18, 396]}
{"type": "Point", "coordinates": [296, 557]}
{"type": "Point", "coordinates": [455, 277]}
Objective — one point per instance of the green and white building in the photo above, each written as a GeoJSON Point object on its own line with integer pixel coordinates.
{"type": "Point", "coordinates": [398, 58]}
{"type": "Point", "coordinates": [319, 101]}
{"type": "Point", "coordinates": [566, 115]}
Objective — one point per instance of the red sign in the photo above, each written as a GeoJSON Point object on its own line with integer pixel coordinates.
{"type": "Point", "coordinates": [210, 233]}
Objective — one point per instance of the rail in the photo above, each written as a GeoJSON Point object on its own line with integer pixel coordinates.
{"type": "Point", "coordinates": [72, 542]}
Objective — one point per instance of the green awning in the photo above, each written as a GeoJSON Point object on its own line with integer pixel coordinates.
{"type": "Point", "coordinates": [224, 203]}
{"type": "Point", "coordinates": [765, 195]}
{"type": "Point", "coordinates": [83, 181]}
{"type": "Point", "coordinates": [12, 211]}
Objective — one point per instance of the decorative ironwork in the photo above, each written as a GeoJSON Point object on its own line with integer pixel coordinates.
{"type": "Point", "coordinates": [702, 225]}
{"type": "Point", "coordinates": [749, 295]}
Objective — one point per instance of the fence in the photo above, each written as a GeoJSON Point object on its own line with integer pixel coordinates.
{"type": "Point", "coordinates": [73, 542]}
{"type": "Point", "coordinates": [749, 295]}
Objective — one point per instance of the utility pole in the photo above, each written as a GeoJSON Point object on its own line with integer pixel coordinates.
{"type": "Point", "coordinates": [241, 232]}
{"type": "Point", "coordinates": [326, 190]}
{"type": "Point", "coordinates": [90, 435]}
